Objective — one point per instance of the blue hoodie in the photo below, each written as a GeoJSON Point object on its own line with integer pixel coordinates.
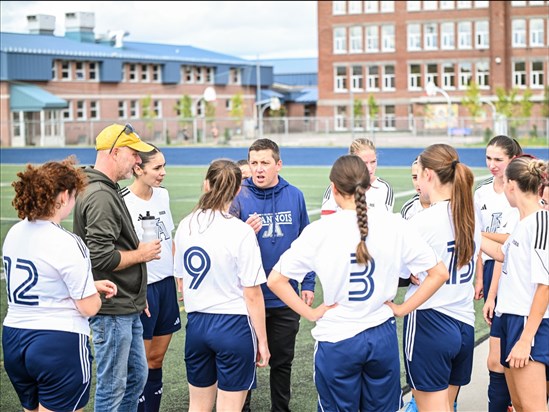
{"type": "Point", "coordinates": [287, 204]}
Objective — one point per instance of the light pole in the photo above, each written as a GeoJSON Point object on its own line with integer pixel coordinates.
{"type": "Point", "coordinates": [273, 103]}
{"type": "Point", "coordinates": [431, 88]}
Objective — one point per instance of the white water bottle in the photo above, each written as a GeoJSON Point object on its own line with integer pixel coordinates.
{"type": "Point", "coordinates": [148, 223]}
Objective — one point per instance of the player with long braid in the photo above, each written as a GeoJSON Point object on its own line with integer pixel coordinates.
{"type": "Point", "coordinates": [358, 255]}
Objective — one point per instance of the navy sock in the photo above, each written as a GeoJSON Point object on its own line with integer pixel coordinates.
{"type": "Point", "coordinates": [498, 393]}
{"type": "Point", "coordinates": [149, 401]}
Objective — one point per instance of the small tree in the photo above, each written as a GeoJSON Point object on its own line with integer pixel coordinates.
{"type": "Point", "coordinates": [147, 113]}
{"type": "Point", "coordinates": [545, 103]}
{"type": "Point", "coordinates": [373, 110]}
{"type": "Point", "coordinates": [237, 108]}
{"type": "Point", "coordinates": [358, 112]}
{"type": "Point", "coordinates": [184, 109]}
{"type": "Point", "coordinates": [471, 101]}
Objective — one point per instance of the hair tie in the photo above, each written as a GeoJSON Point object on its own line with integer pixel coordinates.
{"type": "Point", "coordinates": [454, 164]}
{"type": "Point", "coordinates": [363, 238]}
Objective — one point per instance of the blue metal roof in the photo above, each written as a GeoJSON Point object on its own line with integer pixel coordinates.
{"type": "Point", "coordinates": [300, 79]}
{"type": "Point", "coordinates": [308, 96]}
{"type": "Point", "coordinates": [267, 94]}
{"type": "Point", "coordinates": [31, 98]}
{"type": "Point", "coordinates": [293, 66]}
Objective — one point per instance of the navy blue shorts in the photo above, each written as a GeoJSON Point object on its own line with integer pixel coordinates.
{"type": "Point", "coordinates": [164, 309]}
{"type": "Point", "coordinates": [222, 349]}
{"type": "Point", "coordinates": [510, 328]}
{"type": "Point", "coordinates": [487, 274]}
{"type": "Point", "coordinates": [49, 367]}
{"type": "Point", "coordinates": [361, 373]}
{"type": "Point", "coordinates": [438, 350]}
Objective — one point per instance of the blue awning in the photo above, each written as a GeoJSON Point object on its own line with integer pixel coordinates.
{"type": "Point", "coordinates": [31, 98]}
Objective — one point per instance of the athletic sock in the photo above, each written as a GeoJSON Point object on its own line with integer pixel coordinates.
{"type": "Point", "coordinates": [498, 393]}
{"type": "Point", "coordinates": [153, 392]}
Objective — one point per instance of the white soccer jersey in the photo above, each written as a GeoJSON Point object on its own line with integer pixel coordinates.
{"type": "Point", "coordinates": [47, 268]}
{"type": "Point", "coordinates": [455, 297]}
{"type": "Point", "coordinates": [493, 210]}
{"type": "Point", "coordinates": [217, 255]}
{"type": "Point", "coordinates": [380, 195]}
{"type": "Point", "coordinates": [159, 207]}
{"type": "Point", "coordinates": [328, 247]}
{"type": "Point", "coordinates": [526, 265]}
{"type": "Point", "coordinates": [411, 207]}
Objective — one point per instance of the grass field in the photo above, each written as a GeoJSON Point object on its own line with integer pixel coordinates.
{"type": "Point", "coordinates": [184, 184]}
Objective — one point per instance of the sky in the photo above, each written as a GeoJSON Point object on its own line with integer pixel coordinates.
{"type": "Point", "coordinates": [247, 29]}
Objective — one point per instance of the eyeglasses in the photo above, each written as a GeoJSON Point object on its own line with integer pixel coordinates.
{"type": "Point", "coordinates": [128, 129]}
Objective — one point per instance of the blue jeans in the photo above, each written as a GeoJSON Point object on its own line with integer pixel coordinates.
{"type": "Point", "coordinates": [121, 362]}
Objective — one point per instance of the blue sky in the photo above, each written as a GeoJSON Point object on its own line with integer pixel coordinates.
{"type": "Point", "coordinates": [247, 29]}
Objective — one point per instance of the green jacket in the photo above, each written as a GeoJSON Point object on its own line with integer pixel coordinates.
{"type": "Point", "coordinates": [102, 220]}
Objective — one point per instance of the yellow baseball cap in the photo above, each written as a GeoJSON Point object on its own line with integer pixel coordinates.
{"type": "Point", "coordinates": [117, 135]}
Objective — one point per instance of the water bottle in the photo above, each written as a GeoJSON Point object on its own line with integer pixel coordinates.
{"type": "Point", "coordinates": [148, 223]}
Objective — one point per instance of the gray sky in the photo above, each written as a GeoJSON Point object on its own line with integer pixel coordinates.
{"type": "Point", "coordinates": [247, 29]}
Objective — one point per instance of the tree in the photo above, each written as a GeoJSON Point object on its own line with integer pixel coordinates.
{"type": "Point", "coordinates": [184, 109]}
{"type": "Point", "coordinates": [373, 110]}
{"type": "Point", "coordinates": [147, 112]}
{"type": "Point", "coordinates": [545, 103]}
{"type": "Point", "coordinates": [237, 108]}
{"type": "Point", "coordinates": [471, 101]}
{"type": "Point", "coordinates": [358, 112]}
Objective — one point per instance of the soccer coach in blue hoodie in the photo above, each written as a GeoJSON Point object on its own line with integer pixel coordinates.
{"type": "Point", "coordinates": [276, 211]}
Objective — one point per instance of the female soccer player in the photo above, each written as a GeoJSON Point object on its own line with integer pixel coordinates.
{"type": "Point", "coordinates": [498, 217]}
{"type": "Point", "coordinates": [523, 293]}
{"type": "Point", "coordinates": [145, 195]}
{"type": "Point", "coordinates": [51, 293]}
{"type": "Point", "coordinates": [218, 257]}
{"type": "Point", "coordinates": [380, 193]}
{"type": "Point", "coordinates": [418, 202]}
{"type": "Point", "coordinates": [439, 335]}
{"type": "Point", "coordinates": [358, 255]}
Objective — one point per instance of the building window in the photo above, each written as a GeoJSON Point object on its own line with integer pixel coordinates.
{"type": "Point", "coordinates": [536, 33]}
{"type": "Point", "coordinates": [448, 35]}
{"type": "Point", "coordinates": [341, 118]}
{"type": "Point", "coordinates": [67, 113]}
{"type": "Point", "coordinates": [134, 109]}
{"type": "Point", "coordinates": [157, 108]}
{"type": "Point", "coordinates": [17, 124]}
{"type": "Point", "coordinates": [447, 5]}
{"type": "Point", "coordinates": [53, 70]}
{"type": "Point", "coordinates": [414, 78]}
{"type": "Point", "coordinates": [389, 119]}
{"type": "Point", "coordinates": [145, 73]}
{"type": "Point", "coordinates": [81, 110]}
{"type": "Point", "coordinates": [414, 37]}
{"type": "Point", "coordinates": [340, 40]}
{"type": "Point", "coordinates": [156, 73]}
{"type": "Point", "coordinates": [92, 70]}
{"type": "Point", "coordinates": [357, 79]}
{"type": "Point", "coordinates": [431, 74]}
{"type": "Point", "coordinates": [465, 75]}
{"type": "Point", "coordinates": [413, 5]}
{"type": "Point", "coordinates": [94, 110]}
{"type": "Point", "coordinates": [188, 74]}
{"type": "Point", "coordinates": [122, 110]}
{"type": "Point", "coordinates": [372, 79]}
{"type": "Point", "coordinates": [387, 6]}
{"type": "Point", "coordinates": [355, 6]}
{"type": "Point", "coordinates": [464, 35]}
{"type": "Point", "coordinates": [209, 75]}
{"type": "Point", "coordinates": [80, 72]}
{"type": "Point", "coordinates": [388, 38]}
{"type": "Point", "coordinates": [516, 3]}
{"type": "Point", "coordinates": [132, 72]}
{"type": "Point", "coordinates": [519, 33]}
{"type": "Point", "coordinates": [483, 75]}
{"type": "Point", "coordinates": [372, 39]}
{"type": "Point", "coordinates": [482, 38]}
{"type": "Point", "coordinates": [519, 74]}
{"type": "Point", "coordinates": [338, 7]}
{"type": "Point", "coordinates": [370, 6]}
{"type": "Point", "coordinates": [389, 77]}
{"type": "Point", "coordinates": [65, 70]}
{"type": "Point", "coordinates": [429, 5]}
{"type": "Point", "coordinates": [537, 3]}
{"type": "Point", "coordinates": [536, 75]}
{"type": "Point", "coordinates": [198, 75]}
{"type": "Point", "coordinates": [481, 4]}
{"type": "Point", "coordinates": [448, 76]}
{"type": "Point", "coordinates": [430, 36]}
{"type": "Point", "coordinates": [235, 76]}
{"type": "Point", "coordinates": [341, 79]}
{"type": "Point", "coordinates": [355, 34]}
{"type": "Point", "coordinates": [464, 4]}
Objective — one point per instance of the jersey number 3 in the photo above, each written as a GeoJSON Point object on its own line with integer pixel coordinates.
{"type": "Point", "coordinates": [362, 284]}
{"type": "Point", "coordinates": [21, 295]}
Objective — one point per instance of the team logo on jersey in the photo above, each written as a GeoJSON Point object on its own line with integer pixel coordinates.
{"type": "Point", "coordinates": [483, 207]}
{"type": "Point", "coordinates": [274, 224]}
{"type": "Point", "coordinates": [496, 222]}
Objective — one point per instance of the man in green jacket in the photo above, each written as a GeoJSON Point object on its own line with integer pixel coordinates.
{"type": "Point", "coordinates": [103, 222]}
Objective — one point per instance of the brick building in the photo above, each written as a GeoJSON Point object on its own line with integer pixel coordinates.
{"type": "Point", "coordinates": [392, 51]}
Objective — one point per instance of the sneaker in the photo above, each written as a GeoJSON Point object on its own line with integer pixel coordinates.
{"type": "Point", "coordinates": [411, 407]}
